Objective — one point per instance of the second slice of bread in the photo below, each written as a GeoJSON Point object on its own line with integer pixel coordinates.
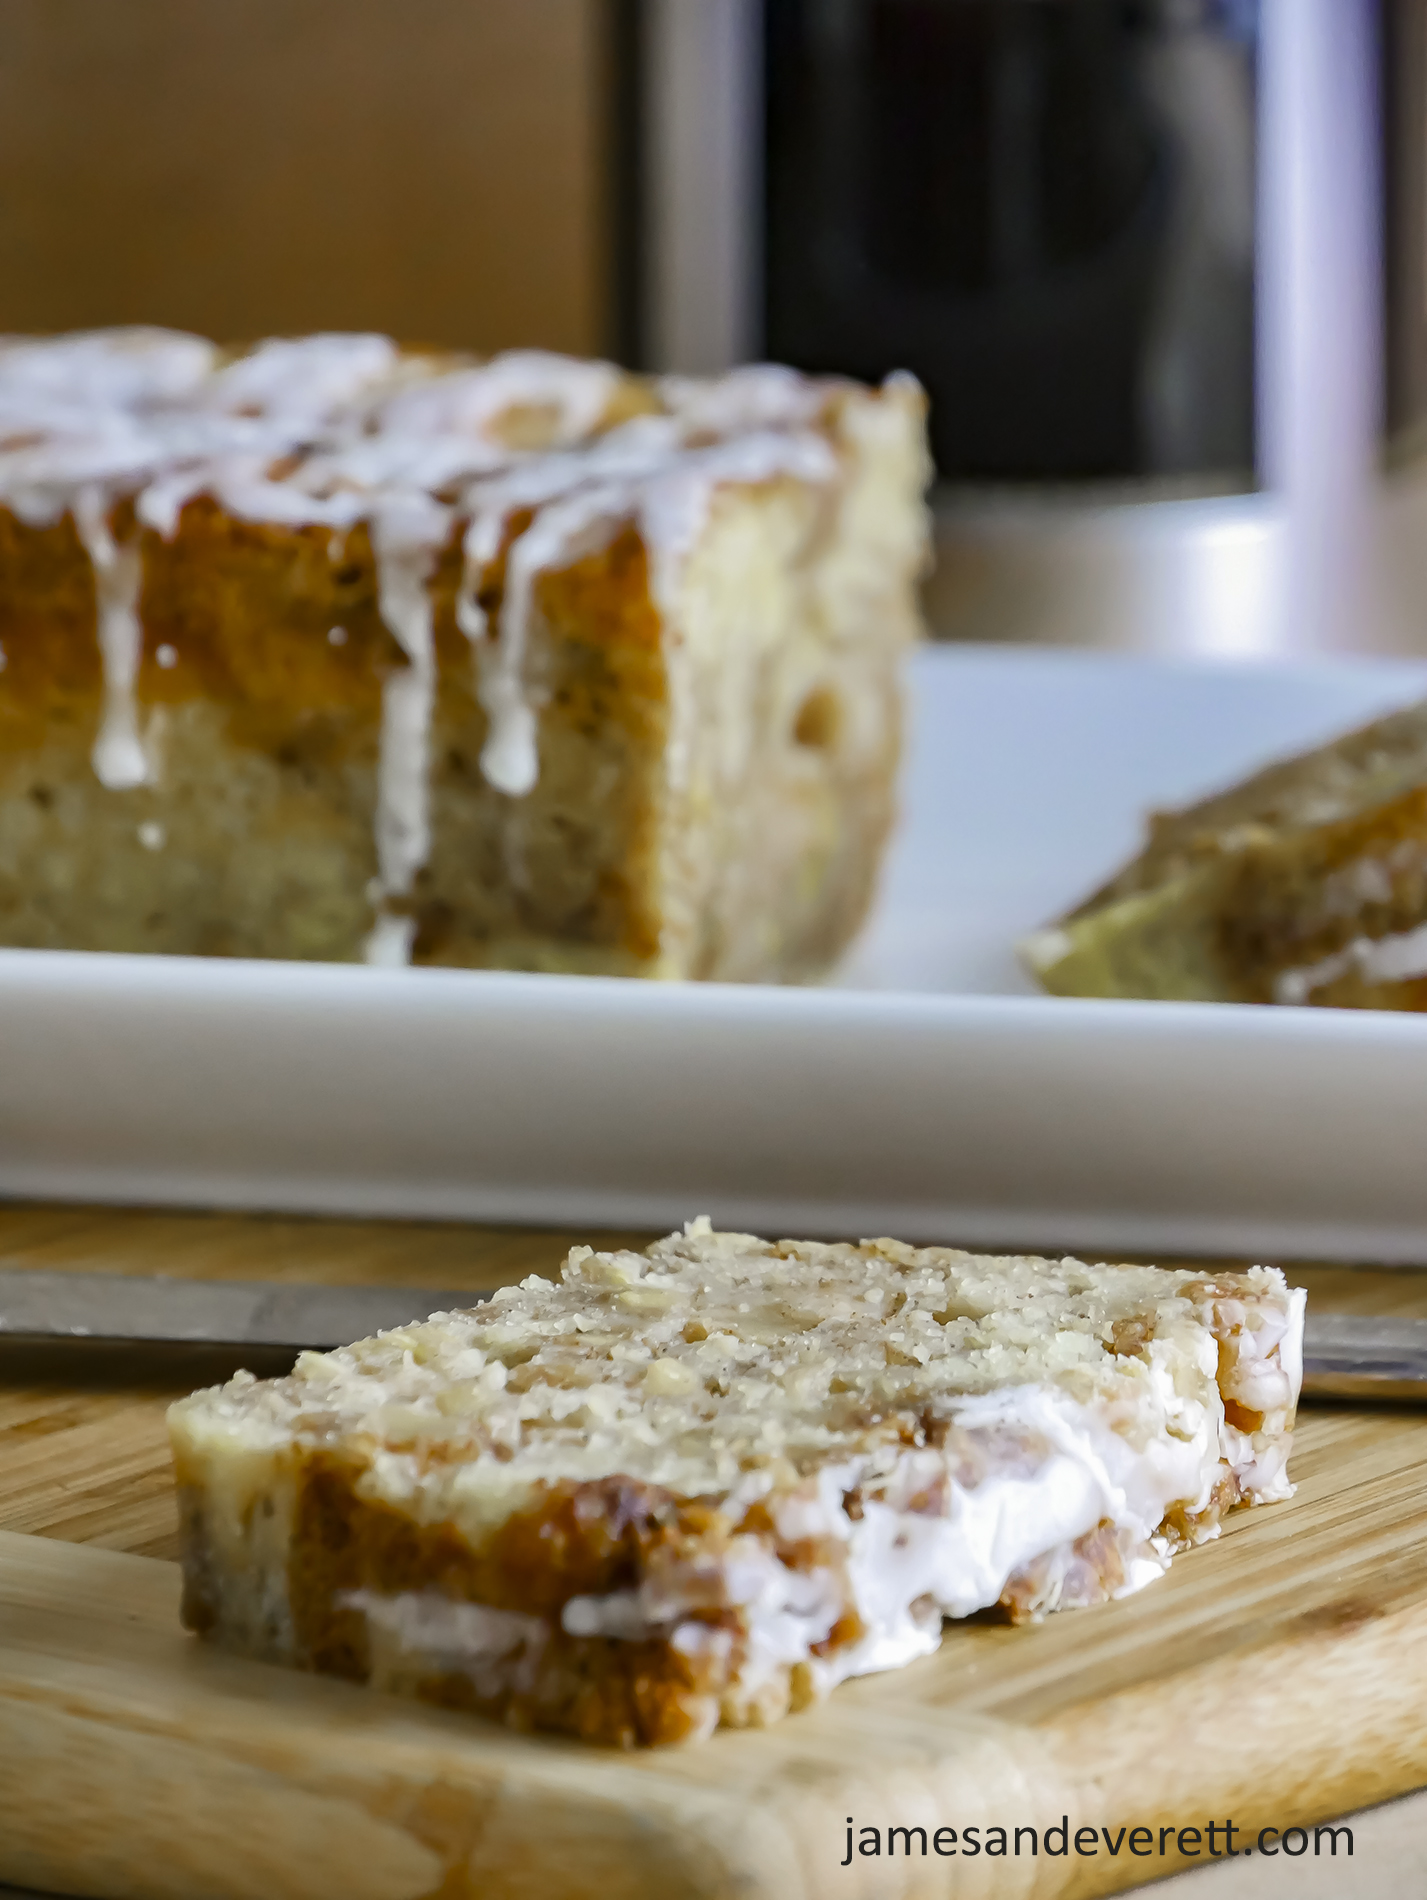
{"type": "Point", "coordinates": [1305, 884]}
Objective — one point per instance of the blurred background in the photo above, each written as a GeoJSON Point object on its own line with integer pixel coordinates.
{"type": "Point", "coordinates": [1162, 264]}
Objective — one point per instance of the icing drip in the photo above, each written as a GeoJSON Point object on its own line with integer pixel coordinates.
{"type": "Point", "coordinates": [559, 534]}
{"type": "Point", "coordinates": [118, 755]}
{"type": "Point", "coordinates": [407, 534]}
{"type": "Point", "coordinates": [638, 449]}
{"type": "Point", "coordinates": [674, 510]}
{"type": "Point", "coordinates": [641, 473]}
{"type": "Point", "coordinates": [388, 945]}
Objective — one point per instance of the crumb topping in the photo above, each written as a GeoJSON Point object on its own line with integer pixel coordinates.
{"type": "Point", "coordinates": [717, 1356]}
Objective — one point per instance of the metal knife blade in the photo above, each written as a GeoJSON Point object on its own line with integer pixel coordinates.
{"type": "Point", "coordinates": [38, 1304]}
{"type": "Point", "coordinates": [1351, 1356]}
{"type": "Point", "coordinates": [1345, 1355]}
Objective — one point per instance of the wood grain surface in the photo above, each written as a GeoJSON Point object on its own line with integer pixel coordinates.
{"type": "Point", "coordinates": [1276, 1677]}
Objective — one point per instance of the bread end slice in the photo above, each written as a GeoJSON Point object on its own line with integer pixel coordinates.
{"type": "Point", "coordinates": [1305, 884]}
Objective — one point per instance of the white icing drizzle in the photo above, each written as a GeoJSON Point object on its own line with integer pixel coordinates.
{"type": "Point", "coordinates": [560, 534]}
{"type": "Point", "coordinates": [304, 378]}
{"type": "Point", "coordinates": [70, 411]}
{"type": "Point", "coordinates": [758, 396]}
{"type": "Point", "coordinates": [407, 534]}
{"type": "Point", "coordinates": [333, 430]}
{"type": "Point", "coordinates": [118, 755]}
{"type": "Point", "coordinates": [473, 401]}
{"type": "Point", "coordinates": [636, 450]}
{"type": "Point", "coordinates": [642, 473]}
{"type": "Point", "coordinates": [106, 370]}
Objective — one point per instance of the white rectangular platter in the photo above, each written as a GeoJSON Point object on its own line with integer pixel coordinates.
{"type": "Point", "coordinates": [928, 1093]}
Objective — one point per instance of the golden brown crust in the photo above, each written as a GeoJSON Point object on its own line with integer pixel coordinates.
{"type": "Point", "coordinates": [603, 725]}
{"type": "Point", "coordinates": [574, 1540]}
{"type": "Point", "coordinates": [238, 672]}
{"type": "Point", "coordinates": [587, 1540]}
{"type": "Point", "coordinates": [611, 1693]}
{"type": "Point", "coordinates": [242, 612]}
{"type": "Point", "coordinates": [52, 674]}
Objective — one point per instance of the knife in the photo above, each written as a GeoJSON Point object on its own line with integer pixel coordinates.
{"type": "Point", "coordinates": [1354, 1356]}
{"type": "Point", "coordinates": [37, 1304]}
{"type": "Point", "coordinates": [1345, 1355]}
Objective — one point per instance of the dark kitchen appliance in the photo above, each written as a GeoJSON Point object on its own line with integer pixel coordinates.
{"type": "Point", "coordinates": [1043, 207]}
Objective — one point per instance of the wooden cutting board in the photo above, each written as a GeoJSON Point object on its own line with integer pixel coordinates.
{"type": "Point", "coordinates": [1275, 1678]}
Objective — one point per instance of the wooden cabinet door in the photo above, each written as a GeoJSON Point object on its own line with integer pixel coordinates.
{"type": "Point", "coordinates": [431, 168]}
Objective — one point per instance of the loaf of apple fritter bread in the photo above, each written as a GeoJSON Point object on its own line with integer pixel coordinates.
{"type": "Point", "coordinates": [325, 649]}
{"type": "Point", "coordinates": [1305, 884]}
{"type": "Point", "coordinates": [707, 1483]}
